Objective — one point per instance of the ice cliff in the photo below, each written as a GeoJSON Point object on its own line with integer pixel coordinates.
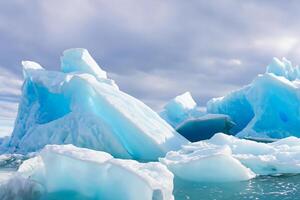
{"type": "Point", "coordinates": [79, 105]}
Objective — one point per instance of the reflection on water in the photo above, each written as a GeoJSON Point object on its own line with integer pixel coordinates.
{"type": "Point", "coordinates": [262, 188]}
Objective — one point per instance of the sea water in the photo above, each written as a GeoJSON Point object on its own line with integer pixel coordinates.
{"type": "Point", "coordinates": [263, 188]}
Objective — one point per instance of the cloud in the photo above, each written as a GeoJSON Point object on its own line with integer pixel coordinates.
{"type": "Point", "coordinates": [10, 91]}
{"type": "Point", "coordinates": [154, 49]}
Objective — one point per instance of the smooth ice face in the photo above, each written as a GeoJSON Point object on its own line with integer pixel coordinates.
{"type": "Point", "coordinates": [96, 175]}
{"type": "Point", "coordinates": [203, 162]}
{"type": "Point", "coordinates": [202, 128]}
{"type": "Point", "coordinates": [180, 109]}
{"type": "Point", "coordinates": [235, 105]}
{"type": "Point", "coordinates": [267, 108]}
{"type": "Point", "coordinates": [82, 109]}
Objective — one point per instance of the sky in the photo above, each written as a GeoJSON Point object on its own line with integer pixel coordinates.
{"type": "Point", "coordinates": [154, 50]}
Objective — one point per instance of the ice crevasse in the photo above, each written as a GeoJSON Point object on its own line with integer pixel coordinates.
{"type": "Point", "coordinates": [79, 105]}
{"type": "Point", "coordinates": [90, 174]}
{"type": "Point", "coordinates": [269, 107]}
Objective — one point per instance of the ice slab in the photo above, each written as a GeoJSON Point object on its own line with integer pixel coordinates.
{"type": "Point", "coordinates": [96, 175]}
{"type": "Point", "coordinates": [204, 162]}
{"type": "Point", "coordinates": [228, 158]}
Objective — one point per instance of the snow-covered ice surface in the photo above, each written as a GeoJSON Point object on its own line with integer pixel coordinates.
{"type": "Point", "coordinates": [81, 106]}
{"type": "Point", "coordinates": [92, 174]}
{"type": "Point", "coordinates": [228, 158]}
{"type": "Point", "coordinates": [269, 107]}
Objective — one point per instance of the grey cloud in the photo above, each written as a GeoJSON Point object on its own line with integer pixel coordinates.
{"type": "Point", "coordinates": [155, 49]}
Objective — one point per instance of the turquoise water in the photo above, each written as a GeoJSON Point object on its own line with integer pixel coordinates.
{"type": "Point", "coordinates": [262, 188]}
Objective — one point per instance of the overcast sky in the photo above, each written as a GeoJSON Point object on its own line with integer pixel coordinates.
{"type": "Point", "coordinates": [154, 49]}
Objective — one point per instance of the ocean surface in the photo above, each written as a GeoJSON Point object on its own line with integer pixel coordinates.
{"type": "Point", "coordinates": [264, 188]}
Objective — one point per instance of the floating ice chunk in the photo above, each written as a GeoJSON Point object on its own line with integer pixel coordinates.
{"type": "Point", "coordinates": [179, 109]}
{"type": "Point", "coordinates": [204, 162]}
{"type": "Point", "coordinates": [97, 175]}
{"type": "Point", "coordinates": [278, 157]}
{"type": "Point", "coordinates": [201, 128]}
{"type": "Point", "coordinates": [267, 108]}
{"type": "Point", "coordinates": [81, 109]}
{"type": "Point", "coordinates": [228, 158]}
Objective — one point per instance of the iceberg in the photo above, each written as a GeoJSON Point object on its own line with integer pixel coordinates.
{"type": "Point", "coordinates": [266, 108]}
{"type": "Point", "coordinates": [280, 157]}
{"type": "Point", "coordinates": [183, 114]}
{"type": "Point", "coordinates": [93, 175]}
{"type": "Point", "coordinates": [179, 109]}
{"type": "Point", "coordinates": [228, 158]}
{"type": "Point", "coordinates": [204, 162]}
{"type": "Point", "coordinates": [81, 106]}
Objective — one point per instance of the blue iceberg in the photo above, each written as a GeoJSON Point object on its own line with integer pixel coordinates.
{"type": "Point", "coordinates": [179, 109]}
{"type": "Point", "coordinates": [202, 128]}
{"type": "Point", "coordinates": [81, 106]}
{"type": "Point", "coordinates": [266, 108]}
{"type": "Point", "coordinates": [193, 123]}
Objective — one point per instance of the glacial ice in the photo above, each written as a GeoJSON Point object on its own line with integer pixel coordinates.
{"type": "Point", "coordinates": [95, 175]}
{"type": "Point", "coordinates": [179, 109]}
{"type": "Point", "coordinates": [228, 158]}
{"type": "Point", "coordinates": [194, 124]}
{"type": "Point", "coordinates": [204, 162]}
{"type": "Point", "coordinates": [81, 106]}
{"type": "Point", "coordinates": [280, 157]}
{"type": "Point", "coordinates": [269, 107]}
{"type": "Point", "coordinates": [201, 128]}
{"type": "Point", "coordinates": [283, 68]}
